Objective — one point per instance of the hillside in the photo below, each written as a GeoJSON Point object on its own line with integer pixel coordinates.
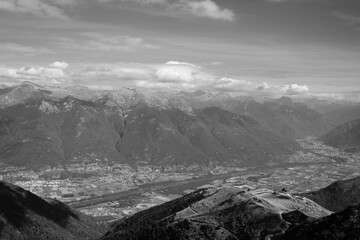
{"type": "Point", "coordinates": [344, 225]}
{"type": "Point", "coordinates": [225, 213]}
{"type": "Point", "coordinates": [338, 195]}
{"type": "Point", "coordinates": [345, 136]}
{"type": "Point", "coordinates": [24, 215]}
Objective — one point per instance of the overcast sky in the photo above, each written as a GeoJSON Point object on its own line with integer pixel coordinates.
{"type": "Point", "coordinates": [260, 46]}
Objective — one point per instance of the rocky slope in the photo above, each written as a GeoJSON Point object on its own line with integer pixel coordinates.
{"type": "Point", "coordinates": [225, 213]}
{"type": "Point", "coordinates": [345, 136]}
{"type": "Point", "coordinates": [24, 215]}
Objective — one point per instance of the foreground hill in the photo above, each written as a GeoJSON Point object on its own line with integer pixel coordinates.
{"type": "Point", "coordinates": [134, 127]}
{"type": "Point", "coordinates": [338, 195]}
{"type": "Point", "coordinates": [24, 215]}
{"type": "Point", "coordinates": [345, 136]}
{"type": "Point", "coordinates": [225, 213]}
{"type": "Point", "coordinates": [344, 225]}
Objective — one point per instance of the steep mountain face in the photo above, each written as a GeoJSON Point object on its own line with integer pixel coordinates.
{"type": "Point", "coordinates": [244, 137]}
{"type": "Point", "coordinates": [283, 116]}
{"type": "Point", "coordinates": [24, 215]}
{"type": "Point", "coordinates": [345, 136]}
{"type": "Point", "coordinates": [225, 213]}
{"type": "Point", "coordinates": [337, 196]}
{"type": "Point", "coordinates": [344, 225]}
{"type": "Point", "coordinates": [47, 132]}
{"type": "Point", "coordinates": [135, 127]}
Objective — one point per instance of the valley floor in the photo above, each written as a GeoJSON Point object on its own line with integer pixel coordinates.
{"type": "Point", "coordinates": [114, 192]}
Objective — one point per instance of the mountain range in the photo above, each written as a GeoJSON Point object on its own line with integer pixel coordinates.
{"type": "Point", "coordinates": [54, 126]}
{"type": "Point", "coordinates": [45, 127]}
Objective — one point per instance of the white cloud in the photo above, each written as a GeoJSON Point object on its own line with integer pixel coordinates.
{"type": "Point", "coordinates": [231, 84]}
{"type": "Point", "coordinates": [294, 89]}
{"type": "Point", "coordinates": [41, 72]}
{"type": "Point", "coordinates": [198, 8]}
{"type": "Point", "coordinates": [288, 89]}
{"type": "Point", "coordinates": [216, 63]}
{"type": "Point", "coordinates": [61, 65]}
{"type": "Point", "coordinates": [14, 47]}
{"type": "Point", "coordinates": [41, 8]}
{"type": "Point", "coordinates": [180, 63]}
{"type": "Point", "coordinates": [264, 86]}
{"type": "Point", "coordinates": [8, 72]}
{"type": "Point", "coordinates": [175, 74]}
{"type": "Point", "coordinates": [100, 87]}
{"type": "Point", "coordinates": [348, 19]}
{"type": "Point", "coordinates": [52, 74]}
{"type": "Point", "coordinates": [208, 8]}
{"type": "Point", "coordinates": [93, 41]}
{"type": "Point", "coordinates": [118, 71]}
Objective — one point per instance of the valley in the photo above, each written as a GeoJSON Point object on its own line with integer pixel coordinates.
{"type": "Point", "coordinates": [112, 192]}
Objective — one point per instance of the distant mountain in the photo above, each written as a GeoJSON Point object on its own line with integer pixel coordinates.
{"type": "Point", "coordinates": [132, 126]}
{"type": "Point", "coordinates": [338, 195]}
{"type": "Point", "coordinates": [344, 225]}
{"type": "Point", "coordinates": [25, 216]}
{"type": "Point", "coordinates": [10, 96]}
{"type": "Point", "coordinates": [344, 114]}
{"type": "Point", "coordinates": [284, 116]}
{"type": "Point", "coordinates": [345, 136]}
{"type": "Point", "coordinates": [225, 213]}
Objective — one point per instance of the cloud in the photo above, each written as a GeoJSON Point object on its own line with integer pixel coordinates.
{"type": "Point", "coordinates": [42, 8]}
{"type": "Point", "coordinates": [348, 19]}
{"type": "Point", "coordinates": [277, 1]}
{"type": "Point", "coordinates": [295, 89]}
{"type": "Point", "coordinates": [208, 8]}
{"type": "Point", "coordinates": [287, 89]}
{"type": "Point", "coordinates": [180, 75]}
{"type": "Point", "coordinates": [8, 72]}
{"type": "Point", "coordinates": [61, 65]}
{"type": "Point", "coordinates": [263, 86]}
{"type": "Point", "coordinates": [174, 75]}
{"type": "Point", "coordinates": [115, 72]}
{"type": "Point", "coordinates": [100, 87]}
{"type": "Point", "coordinates": [93, 41]}
{"type": "Point", "coordinates": [216, 63]}
{"type": "Point", "coordinates": [198, 8]}
{"type": "Point", "coordinates": [52, 74]}
{"type": "Point", "coordinates": [14, 47]}
{"type": "Point", "coordinates": [231, 84]}
{"type": "Point", "coordinates": [177, 75]}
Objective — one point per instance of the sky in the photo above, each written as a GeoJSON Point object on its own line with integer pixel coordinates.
{"type": "Point", "coordinates": [287, 47]}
